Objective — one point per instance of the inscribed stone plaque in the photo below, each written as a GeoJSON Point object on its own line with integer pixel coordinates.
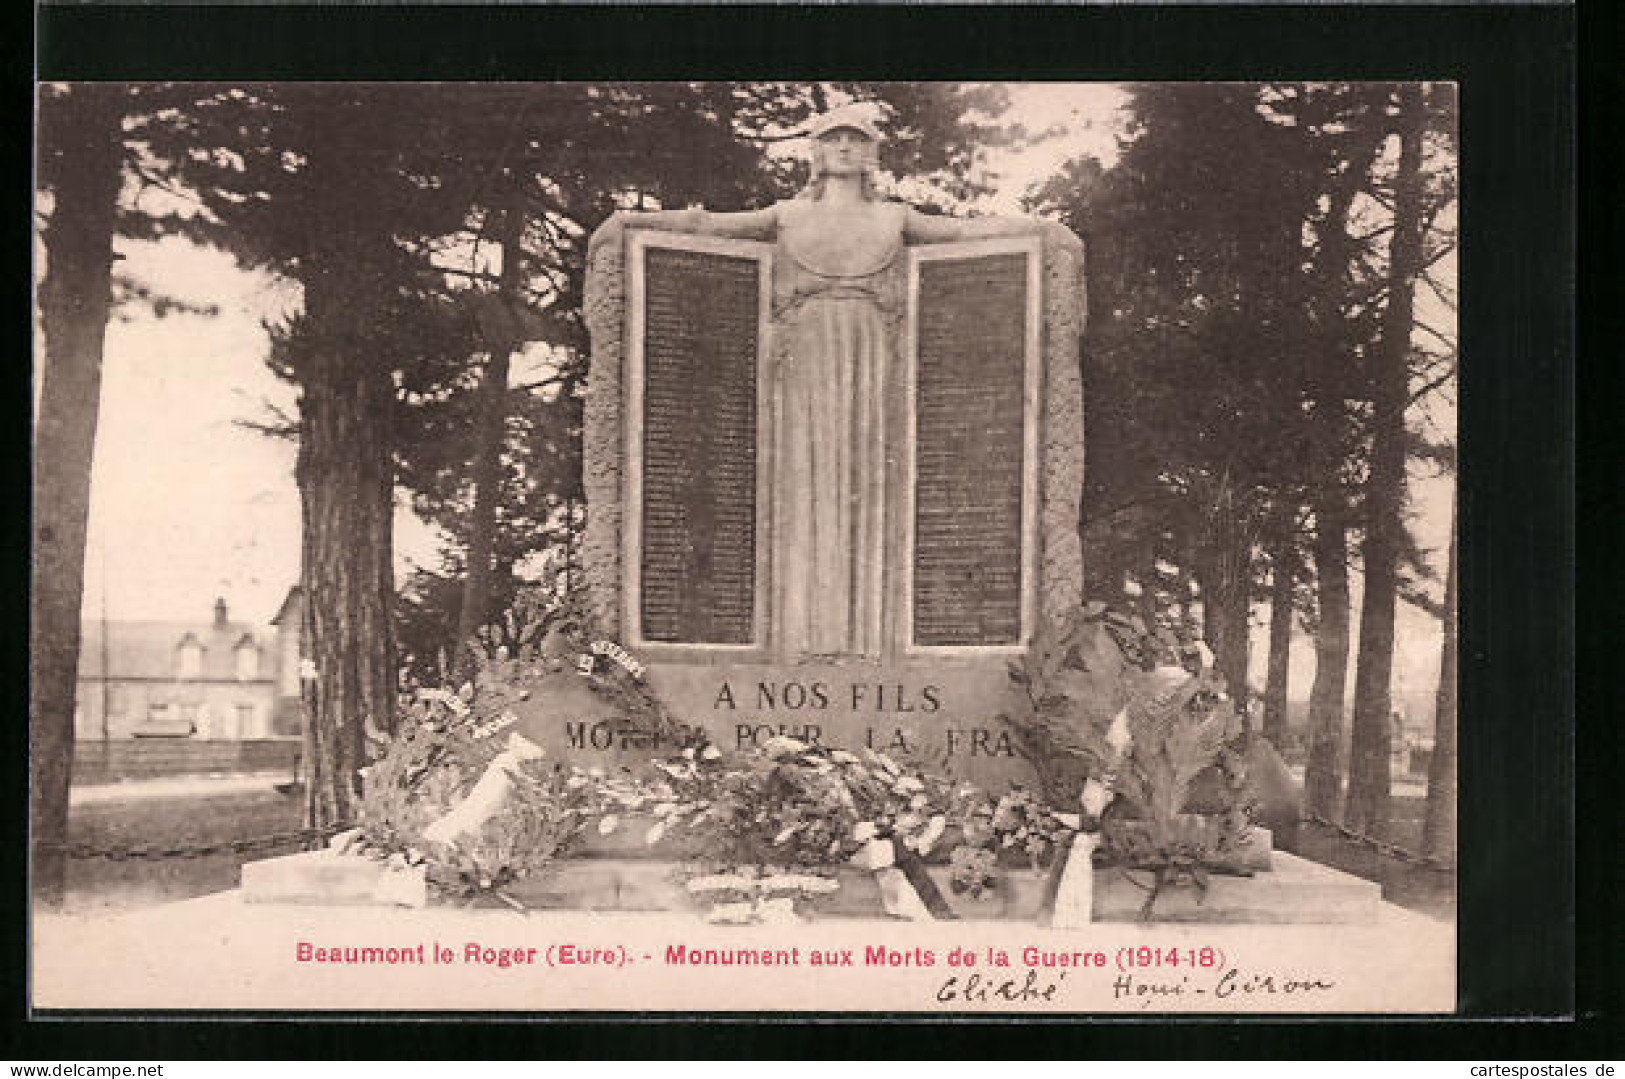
{"type": "Point", "coordinates": [970, 449]}
{"type": "Point", "coordinates": [697, 538]}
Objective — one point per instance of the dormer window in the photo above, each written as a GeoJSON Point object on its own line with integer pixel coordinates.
{"type": "Point", "coordinates": [190, 657]}
{"type": "Point", "coordinates": [248, 660]}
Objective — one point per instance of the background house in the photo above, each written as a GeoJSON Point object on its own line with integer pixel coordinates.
{"type": "Point", "coordinates": [213, 680]}
{"type": "Point", "coordinates": [287, 717]}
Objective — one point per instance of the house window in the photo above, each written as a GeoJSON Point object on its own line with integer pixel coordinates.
{"type": "Point", "coordinates": [248, 663]}
{"type": "Point", "coordinates": [245, 720]}
{"type": "Point", "coordinates": [191, 660]}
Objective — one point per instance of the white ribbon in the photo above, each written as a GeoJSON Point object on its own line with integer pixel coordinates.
{"type": "Point", "coordinates": [898, 896]}
{"type": "Point", "coordinates": [488, 796]}
{"type": "Point", "coordinates": [1075, 896]}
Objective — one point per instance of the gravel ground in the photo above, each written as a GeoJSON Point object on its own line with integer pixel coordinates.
{"type": "Point", "coordinates": [1427, 891]}
{"type": "Point", "coordinates": [169, 813]}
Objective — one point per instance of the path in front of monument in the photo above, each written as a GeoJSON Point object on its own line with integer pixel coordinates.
{"type": "Point", "coordinates": [194, 811]}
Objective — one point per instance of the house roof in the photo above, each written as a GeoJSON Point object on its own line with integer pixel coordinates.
{"type": "Point", "coordinates": [150, 649]}
{"type": "Point", "coordinates": [290, 604]}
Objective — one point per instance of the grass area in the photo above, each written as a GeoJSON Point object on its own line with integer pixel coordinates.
{"type": "Point", "coordinates": [100, 885]}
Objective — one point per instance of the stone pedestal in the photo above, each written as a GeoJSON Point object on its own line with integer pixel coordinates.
{"type": "Point", "coordinates": [940, 713]}
{"type": "Point", "coordinates": [1294, 892]}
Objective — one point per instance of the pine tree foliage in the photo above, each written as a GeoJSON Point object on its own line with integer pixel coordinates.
{"type": "Point", "coordinates": [1241, 294]}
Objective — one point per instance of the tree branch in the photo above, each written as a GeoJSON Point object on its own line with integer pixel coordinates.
{"type": "Point", "coordinates": [148, 179]}
{"type": "Point", "coordinates": [1437, 335]}
{"type": "Point", "coordinates": [1440, 293]}
{"type": "Point", "coordinates": [284, 427]}
{"type": "Point", "coordinates": [526, 387]}
{"type": "Point", "coordinates": [1432, 384]}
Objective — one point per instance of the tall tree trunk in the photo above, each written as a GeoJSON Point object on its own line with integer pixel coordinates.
{"type": "Point", "coordinates": [1323, 780]}
{"type": "Point", "coordinates": [1367, 808]}
{"type": "Point", "coordinates": [490, 428]}
{"type": "Point", "coordinates": [1235, 633]}
{"type": "Point", "coordinates": [1225, 569]}
{"type": "Point", "coordinates": [1284, 577]}
{"type": "Point", "coordinates": [1225, 620]}
{"type": "Point", "coordinates": [75, 298]}
{"type": "Point", "coordinates": [1439, 825]}
{"type": "Point", "coordinates": [345, 471]}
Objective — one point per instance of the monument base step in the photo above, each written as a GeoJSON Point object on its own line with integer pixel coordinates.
{"type": "Point", "coordinates": [327, 877]}
{"type": "Point", "coordinates": [1294, 891]}
{"type": "Point", "coordinates": [1250, 854]}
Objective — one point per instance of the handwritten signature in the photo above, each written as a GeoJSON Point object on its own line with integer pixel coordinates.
{"type": "Point", "coordinates": [1227, 985]}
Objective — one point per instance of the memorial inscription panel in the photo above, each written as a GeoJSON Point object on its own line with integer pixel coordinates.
{"type": "Point", "coordinates": [974, 328]}
{"type": "Point", "coordinates": [697, 343]}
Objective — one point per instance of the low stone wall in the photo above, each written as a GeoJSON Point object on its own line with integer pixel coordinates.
{"type": "Point", "coordinates": [100, 762]}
